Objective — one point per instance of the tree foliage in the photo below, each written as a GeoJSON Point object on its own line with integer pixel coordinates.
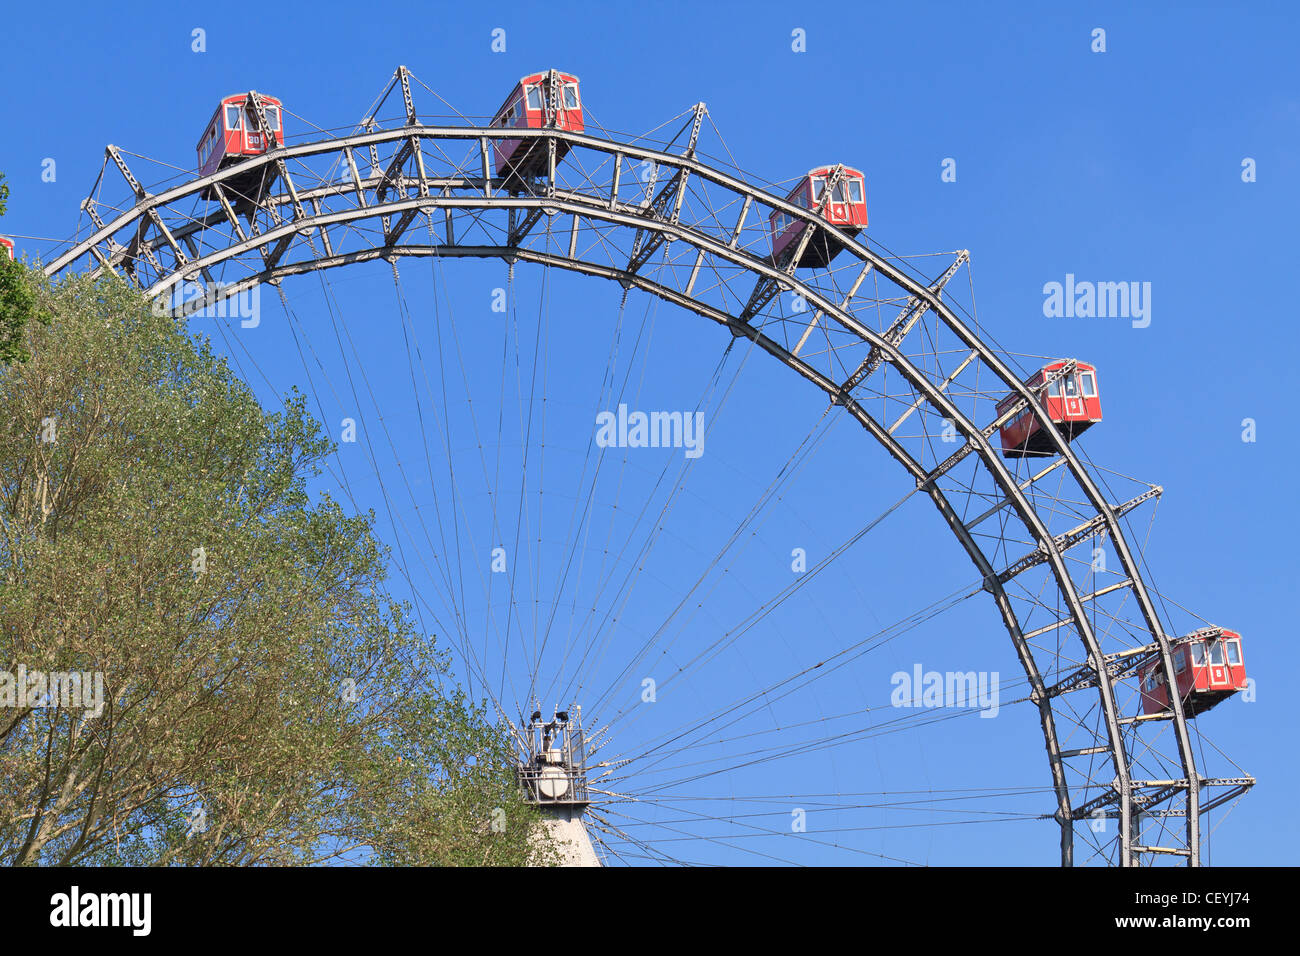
{"type": "Point", "coordinates": [17, 303]}
{"type": "Point", "coordinates": [166, 539]}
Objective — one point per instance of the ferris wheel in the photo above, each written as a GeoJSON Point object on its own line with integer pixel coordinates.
{"type": "Point", "coordinates": [607, 614]}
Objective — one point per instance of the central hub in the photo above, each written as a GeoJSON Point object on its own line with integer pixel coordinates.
{"type": "Point", "coordinates": [553, 771]}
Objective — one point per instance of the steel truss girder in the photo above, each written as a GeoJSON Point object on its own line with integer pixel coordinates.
{"type": "Point", "coordinates": [621, 214]}
{"type": "Point", "coordinates": [673, 192]}
{"type": "Point", "coordinates": [1003, 502]}
{"type": "Point", "coordinates": [904, 323]}
{"type": "Point", "coordinates": [1159, 793]}
{"type": "Point", "coordinates": [1064, 542]}
{"type": "Point", "coordinates": [519, 231]}
{"type": "Point", "coordinates": [1154, 793]}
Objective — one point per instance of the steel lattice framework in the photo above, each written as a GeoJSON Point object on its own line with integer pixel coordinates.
{"type": "Point", "coordinates": [885, 344]}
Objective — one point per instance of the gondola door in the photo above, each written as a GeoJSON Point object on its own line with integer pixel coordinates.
{"type": "Point", "coordinates": [836, 210]}
{"type": "Point", "coordinates": [1073, 401]}
{"type": "Point", "coordinates": [1218, 667]}
{"type": "Point", "coordinates": [253, 135]}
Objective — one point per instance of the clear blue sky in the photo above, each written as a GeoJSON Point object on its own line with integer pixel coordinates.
{"type": "Point", "coordinates": [1123, 165]}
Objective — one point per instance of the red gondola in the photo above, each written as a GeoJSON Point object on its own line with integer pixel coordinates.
{"type": "Point", "coordinates": [8, 246]}
{"type": "Point", "coordinates": [234, 134]}
{"type": "Point", "coordinates": [846, 210]}
{"type": "Point", "coordinates": [538, 101]}
{"type": "Point", "coordinates": [1072, 402]}
{"type": "Point", "coordinates": [1208, 667]}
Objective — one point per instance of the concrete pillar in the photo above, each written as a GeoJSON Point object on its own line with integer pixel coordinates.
{"type": "Point", "coordinates": [569, 831]}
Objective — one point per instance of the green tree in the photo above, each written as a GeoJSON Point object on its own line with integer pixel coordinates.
{"type": "Point", "coordinates": [265, 700]}
{"type": "Point", "coordinates": [17, 303]}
